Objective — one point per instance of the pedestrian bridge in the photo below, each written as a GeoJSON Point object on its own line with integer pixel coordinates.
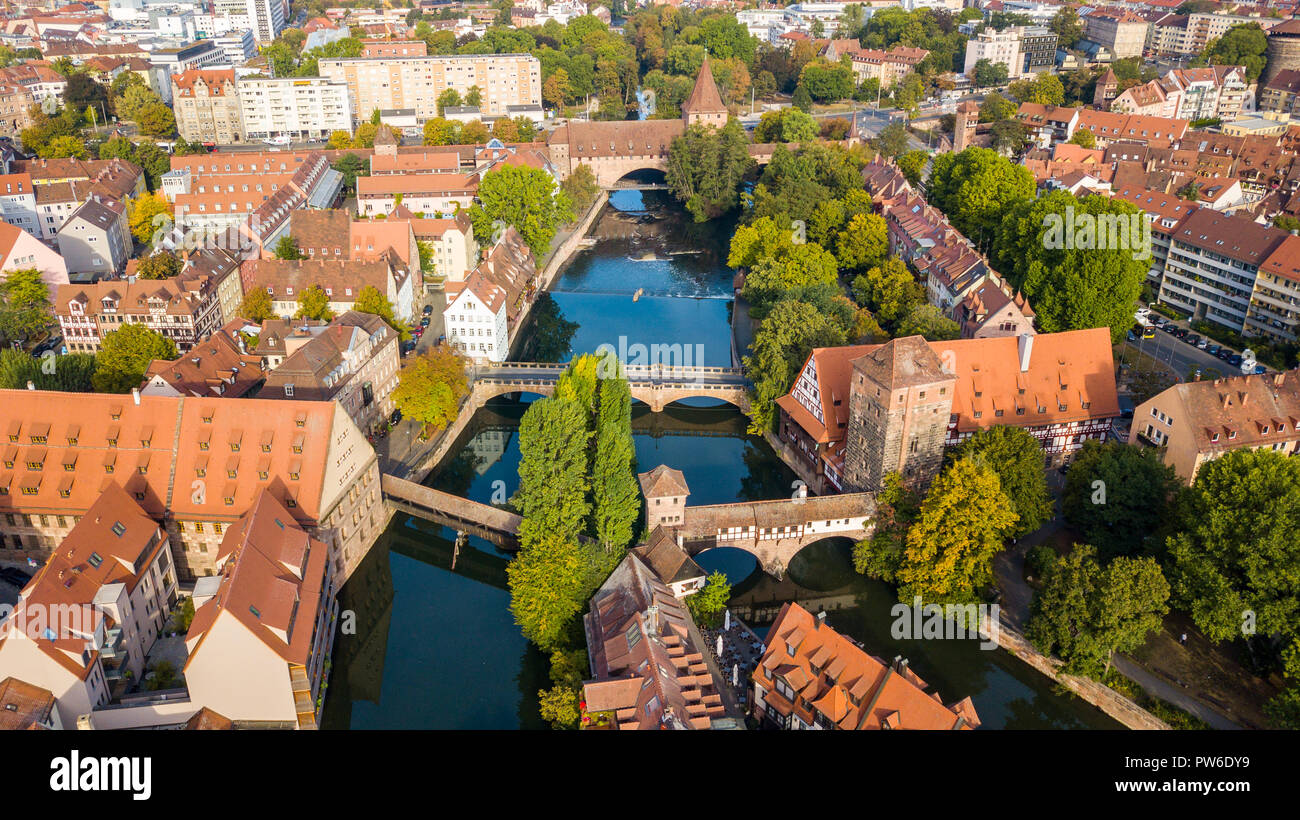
{"type": "Point", "coordinates": [497, 526]}
{"type": "Point", "coordinates": [656, 385]}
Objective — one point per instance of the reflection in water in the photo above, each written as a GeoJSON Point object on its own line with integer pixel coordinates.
{"type": "Point", "coordinates": [438, 648]}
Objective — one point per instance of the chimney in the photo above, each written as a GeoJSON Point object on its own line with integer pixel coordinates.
{"type": "Point", "coordinates": [821, 619]}
{"type": "Point", "coordinates": [1025, 346]}
{"type": "Point", "coordinates": [31, 385]}
{"type": "Point", "coordinates": [135, 394]}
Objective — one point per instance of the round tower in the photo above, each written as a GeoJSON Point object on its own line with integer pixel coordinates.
{"type": "Point", "coordinates": [1283, 50]}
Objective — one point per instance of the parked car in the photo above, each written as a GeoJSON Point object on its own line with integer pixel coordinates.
{"type": "Point", "coordinates": [425, 321]}
{"type": "Point", "coordinates": [1203, 344]}
{"type": "Point", "coordinates": [1182, 332]}
{"type": "Point", "coordinates": [1260, 370]}
{"type": "Point", "coordinates": [14, 576]}
{"type": "Point", "coordinates": [1235, 360]}
{"type": "Point", "coordinates": [1192, 339]}
{"type": "Point", "coordinates": [54, 343]}
{"type": "Point", "coordinates": [427, 310]}
{"type": "Point", "coordinates": [1213, 350]}
{"type": "Point", "coordinates": [396, 417]}
{"type": "Point", "coordinates": [1134, 334]}
{"type": "Point", "coordinates": [1224, 353]}
{"type": "Point", "coordinates": [1148, 333]}
{"type": "Point", "coordinates": [407, 347]}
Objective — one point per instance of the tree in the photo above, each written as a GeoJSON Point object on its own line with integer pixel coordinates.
{"type": "Point", "coordinates": [554, 485]}
{"type": "Point", "coordinates": [1017, 458]}
{"type": "Point", "coordinates": [786, 125]}
{"type": "Point", "coordinates": [977, 188]}
{"type": "Point", "coordinates": [616, 496]}
{"type": "Point", "coordinates": [1084, 139]}
{"type": "Point", "coordinates": [370, 300]}
{"type": "Point", "coordinates": [1117, 496]}
{"type": "Point", "coordinates": [449, 98]}
{"type": "Point", "coordinates": [912, 164]}
{"type": "Point", "coordinates": [801, 267]}
{"type": "Point", "coordinates": [125, 354]}
{"type": "Point", "coordinates": [474, 97]}
{"type": "Point", "coordinates": [1044, 89]}
{"type": "Point", "coordinates": [987, 73]}
{"type": "Point", "coordinates": [159, 265]}
{"type": "Point", "coordinates": [825, 81]}
{"type": "Point", "coordinates": [706, 167]}
{"type": "Point", "coordinates": [441, 131]}
{"type": "Point", "coordinates": [1007, 137]}
{"type": "Point", "coordinates": [1068, 27]}
{"type": "Point", "coordinates": [546, 588]}
{"type": "Point", "coordinates": [314, 303]}
{"type": "Point", "coordinates": [1085, 614]}
{"type": "Point", "coordinates": [581, 188]}
{"type": "Point", "coordinates": [1235, 548]}
{"type": "Point", "coordinates": [431, 386]}
{"type": "Point", "coordinates": [559, 706]}
{"type": "Point", "coordinates": [892, 140]}
{"type": "Point", "coordinates": [25, 308]}
{"type": "Point", "coordinates": [256, 306]}
{"type": "Point", "coordinates": [556, 90]}
{"type": "Point", "coordinates": [157, 120]}
{"type": "Point", "coordinates": [802, 100]}
{"type": "Point", "coordinates": [351, 166]}
{"type": "Point", "coordinates": [64, 147]}
{"type": "Point", "coordinates": [889, 291]}
{"type": "Point", "coordinates": [996, 108]}
{"type": "Point", "coordinates": [1091, 278]}
{"type": "Point", "coordinates": [961, 526]}
{"type": "Point", "coordinates": [287, 248]}
{"type": "Point", "coordinates": [881, 555]}
{"type": "Point", "coordinates": [707, 604]}
{"type": "Point", "coordinates": [781, 345]}
{"type": "Point", "coordinates": [150, 213]}
{"type": "Point", "coordinates": [526, 198]}
{"type": "Point", "coordinates": [69, 373]}
{"type": "Point", "coordinates": [1244, 44]}
{"type": "Point", "coordinates": [863, 243]}
{"type": "Point", "coordinates": [928, 321]}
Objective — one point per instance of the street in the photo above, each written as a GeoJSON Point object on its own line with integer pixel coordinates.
{"type": "Point", "coordinates": [1182, 357]}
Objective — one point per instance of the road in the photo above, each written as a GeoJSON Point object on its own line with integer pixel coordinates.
{"type": "Point", "coordinates": [1182, 357]}
{"type": "Point", "coordinates": [399, 442]}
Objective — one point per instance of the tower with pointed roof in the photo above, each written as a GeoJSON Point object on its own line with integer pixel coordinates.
{"type": "Point", "coordinates": [705, 105]}
{"type": "Point", "coordinates": [900, 402]}
{"type": "Point", "coordinates": [664, 490]}
{"type": "Point", "coordinates": [1107, 90]}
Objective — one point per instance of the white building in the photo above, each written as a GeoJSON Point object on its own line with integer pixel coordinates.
{"type": "Point", "coordinates": [298, 107]}
{"type": "Point", "coordinates": [267, 18]}
{"type": "Point", "coordinates": [998, 47]}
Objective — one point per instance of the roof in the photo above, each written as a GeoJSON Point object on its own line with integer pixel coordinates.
{"type": "Point", "coordinates": [666, 559]}
{"type": "Point", "coordinates": [206, 719]}
{"type": "Point", "coordinates": [23, 706]}
{"type": "Point", "coordinates": [1236, 237]}
{"type": "Point", "coordinates": [343, 280]}
{"type": "Point", "coordinates": [663, 481]}
{"type": "Point", "coordinates": [272, 574]}
{"type": "Point", "coordinates": [320, 368]}
{"type": "Point", "coordinates": [1240, 411]}
{"type": "Point", "coordinates": [833, 675]}
{"type": "Point", "coordinates": [704, 96]}
{"type": "Point", "coordinates": [215, 366]}
{"type": "Point", "coordinates": [502, 279]}
{"type": "Point", "coordinates": [648, 670]}
{"type": "Point", "coordinates": [216, 82]}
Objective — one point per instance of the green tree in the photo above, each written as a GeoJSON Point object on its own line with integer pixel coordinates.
{"type": "Point", "coordinates": [159, 265]}
{"type": "Point", "coordinates": [1086, 613]}
{"type": "Point", "coordinates": [781, 346]}
{"type": "Point", "coordinates": [802, 99]}
{"type": "Point", "coordinates": [881, 555]}
{"type": "Point", "coordinates": [257, 306]}
{"type": "Point", "coordinates": [1244, 44]}
{"type": "Point", "coordinates": [616, 496]}
{"type": "Point", "coordinates": [1068, 27]}
{"type": "Point", "coordinates": [559, 707]}
{"type": "Point", "coordinates": [526, 198]}
{"type": "Point", "coordinates": [786, 125]}
{"type": "Point", "coordinates": [287, 248]}
{"type": "Point", "coordinates": [64, 147]}
{"type": "Point", "coordinates": [707, 604]}
{"type": "Point", "coordinates": [70, 373]}
{"type": "Point", "coordinates": [314, 303]}
{"type": "Point", "coordinates": [892, 140]}
{"type": "Point", "coordinates": [1236, 550]}
{"type": "Point", "coordinates": [1044, 89]}
{"type": "Point", "coordinates": [450, 98]}
{"type": "Point", "coordinates": [430, 387]}
{"type": "Point", "coordinates": [996, 108]}
{"type": "Point", "coordinates": [351, 166]}
{"type": "Point", "coordinates": [912, 164]}
{"type": "Point", "coordinates": [961, 526]}
{"type": "Point", "coordinates": [25, 308]}
{"type": "Point", "coordinates": [706, 167]}
{"type": "Point", "coordinates": [546, 587]}
{"type": "Point", "coordinates": [863, 243]}
{"type": "Point", "coordinates": [889, 291]}
{"type": "Point", "coordinates": [987, 73]}
{"type": "Point", "coordinates": [1084, 139]}
{"type": "Point", "coordinates": [801, 267]}
{"type": "Point", "coordinates": [581, 188]}
{"type": "Point", "coordinates": [1091, 279]}
{"type": "Point", "coordinates": [928, 321]}
{"type": "Point", "coordinates": [125, 354]}
{"type": "Point", "coordinates": [370, 300]}
{"type": "Point", "coordinates": [826, 81]}
{"type": "Point", "coordinates": [977, 188]}
{"type": "Point", "coordinates": [1017, 458]}
{"type": "Point", "coordinates": [1118, 496]}
{"type": "Point", "coordinates": [554, 483]}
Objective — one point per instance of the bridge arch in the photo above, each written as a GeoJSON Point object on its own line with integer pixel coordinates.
{"type": "Point", "coordinates": [610, 170]}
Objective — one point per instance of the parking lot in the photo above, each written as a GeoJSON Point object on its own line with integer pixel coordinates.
{"type": "Point", "coordinates": [1175, 344]}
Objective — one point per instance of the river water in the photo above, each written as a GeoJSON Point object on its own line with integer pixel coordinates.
{"type": "Point", "coordinates": [436, 647]}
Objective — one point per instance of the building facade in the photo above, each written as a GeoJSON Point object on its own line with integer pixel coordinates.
{"type": "Point", "coordinates": [207, 106]}
{"type": "Point", "coordinates": [296, 107]}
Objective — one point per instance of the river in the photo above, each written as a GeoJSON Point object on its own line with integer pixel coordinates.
{"type": "Point", "coordinates": [437, 648]}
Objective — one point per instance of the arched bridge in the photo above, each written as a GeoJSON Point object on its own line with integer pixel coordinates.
{"type": "Point", "coordinates": [656, 385]}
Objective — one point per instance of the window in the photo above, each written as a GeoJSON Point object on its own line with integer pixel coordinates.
{"type": "Point", "coordinates": [119, 529]}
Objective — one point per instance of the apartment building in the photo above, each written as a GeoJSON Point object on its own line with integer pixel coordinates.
{"type": "Point", "coordinates": [333, 235]}
{"type": "Point", "coordinates": [857, 413]}
{"type": "Point", "coordinates": [1214, 92]}
{"type": "Point", "coordinates": [16, 103]}
{"type": "Point", "coordinates": [1282, 93]}
{"type": "Point", "coordinates": [83, 625]}
{"type": "Point", "coordinates": [19, 250]}
{"type": "Point", "coordinates": [296, 107]}
{"type": "Point", "coordinates": [888, 67]}
{"type": "Point", "coordinates": [342, 280]}
{"type": "Point", "coordinates": [263, 626]}
{"type": "Point", "coordinates": [390, 82]}
{"type": "Point", "coordinates": [184, 311]}
{"type": "Point", "coordinates": [39, 80]}
{"type": "Point", "coordinates": [207, 106]}
{"type": "Point", "coordinates": [1122, 33]}
{"type": "Point", "coordinates": [483, 313]}
{"type": "Point", "coordinates": [60, 186]}
{"type": "Point", "coordinates": [96, 238]}
{"type": "Point", "coordinates": [266, 18]}
{"type": "Point", "coordinates": [195, 465]}
{"type": "Point", "coordinates": [255, 192]}
{"type": "Point", "coordinates": [353, 361]}
{"type": "Point", "coordinates": [1195, 422]}
{"type": "Point", "coordinates": [998, 47]}
{"type": "Point", "coordinates": [455, 251]}
{"type": "Point", "coordinates": [812, 677]}
{"type": "Point", "coordinates": [23, 707]}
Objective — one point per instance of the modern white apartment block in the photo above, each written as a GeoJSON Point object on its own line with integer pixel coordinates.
{"type": "Point", "coordinates": [998, 47]}
{"type": "Point", "coordinates": [267, 18]}
{"type": "Point", "coordinates": [389, 83]}
{"type": "Point", "coordinates": [297, 107]}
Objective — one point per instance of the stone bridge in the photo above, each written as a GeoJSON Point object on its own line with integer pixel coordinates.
{"type": "Point", "coordinates": [498, 526]}
{"type": "Point", "coordinates": [656, 385]}
{"type": "Point", "coordinates": [611, 169]}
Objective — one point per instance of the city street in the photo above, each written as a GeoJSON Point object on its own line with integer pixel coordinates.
{"type": "Point", "coordinates": [1183, 357]}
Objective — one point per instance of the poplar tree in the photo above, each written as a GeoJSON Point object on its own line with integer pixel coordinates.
{"type": "Point", "coordinates": [616, 495]}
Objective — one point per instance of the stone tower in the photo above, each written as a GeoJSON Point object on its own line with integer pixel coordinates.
{"type": "Point", "coordinates": [1283, 50]}
{"type": "Point", "coordinates": [900, 401]}
{"type": "Point", "coordinates": [964, 121]}
{"type": "Point", "coordinates": [1107, 90]}
{"type": "Point", "coordinates": [705, 105]}
{"type": "Point", "coordinates": [385, 142]}
{"type": "Point", "coordinates": [665, 491]}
